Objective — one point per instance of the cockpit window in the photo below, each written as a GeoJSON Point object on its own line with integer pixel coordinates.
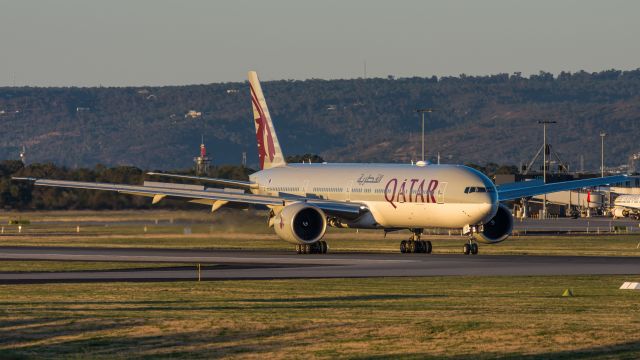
{"type": "Point", "coordinates": [474, 189]}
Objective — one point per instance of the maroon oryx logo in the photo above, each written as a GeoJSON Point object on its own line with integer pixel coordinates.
{"type": "Point", "coordinates": [394, 193]}
{"type": "Point", "coordinates": [266, 148]}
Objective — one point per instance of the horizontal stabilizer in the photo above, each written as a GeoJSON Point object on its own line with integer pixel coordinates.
{"type": "Point", "coordinates": [225, 182]}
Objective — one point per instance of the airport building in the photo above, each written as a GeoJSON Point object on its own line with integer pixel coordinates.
{"type": "Point", "coordinates": [583, 202]}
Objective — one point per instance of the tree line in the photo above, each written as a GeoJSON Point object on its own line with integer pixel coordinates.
{"type": "Point", "coordinates": [22, 195]}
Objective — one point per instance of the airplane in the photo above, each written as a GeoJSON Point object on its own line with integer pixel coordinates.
{"type": "Point", "coordinates": [304, 199]}
{"type": "Point", "coordinates": [626, 206]}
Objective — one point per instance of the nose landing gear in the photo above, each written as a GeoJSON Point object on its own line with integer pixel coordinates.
{"type": "Point", "coordinates": [415, 245]}
{"type": "Point", "coordinates": [472, 246]}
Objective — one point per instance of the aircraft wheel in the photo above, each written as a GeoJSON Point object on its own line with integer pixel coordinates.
{"type": "Point", "coordinates": [403, 246]}
{"type": "Point", "coordinates": [419, 247]}
{"type": "Point", "coordinates": [428, 246]}
{"type": "Point", "coordinates": [466, 249]}
{"type": "Point", "coordinates": [323, 247]}
{"type": "Point", "coordinates": [298, 249]}
{"type": "Point", "coordinates": [474, 249]}
{"type": "Point", "coordinates": [412, 247]}
{"type": "Point", "coordinates": [307, 249]}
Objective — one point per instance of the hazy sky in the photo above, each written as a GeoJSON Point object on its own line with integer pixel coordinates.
{"type": "Point", "coordinates": [161, 42]}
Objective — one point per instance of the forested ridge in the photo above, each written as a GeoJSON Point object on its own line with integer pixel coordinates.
{"type": "Point", "coordinates": [478, 119]}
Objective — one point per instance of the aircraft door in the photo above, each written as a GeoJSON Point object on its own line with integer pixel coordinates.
{"type": "Point", "coordinates": [305, 187]}
{"type": "Point", "coordinates": [442, 188]}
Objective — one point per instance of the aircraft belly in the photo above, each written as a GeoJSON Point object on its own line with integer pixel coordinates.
{"type": "Point", "coordinates": [428, 215]}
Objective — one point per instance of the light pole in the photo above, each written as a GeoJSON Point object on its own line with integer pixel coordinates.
{"type": "Point", "coordinates": [602, 135]}
{"type": "Point", "coordinates": [544, 161]}
{"type": "Point", "coordinates": [423, 111]}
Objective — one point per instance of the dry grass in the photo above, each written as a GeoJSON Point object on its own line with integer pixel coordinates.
{"type": "Point", "coordinates": [450, 317]}
{"type": "Point", "coordinates": [458, 317]}
{"type": "Point", "coordinates": [108, 216]}
{"type": "Point", "coordinates": [212, 237]}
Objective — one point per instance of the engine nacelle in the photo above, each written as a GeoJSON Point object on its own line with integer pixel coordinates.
{"type": "Point", "coordinates": [300, 223]}
{"type": "Point", "coordinates": [620, 212]}
{"type": "Point", "coordinates": [498, 228]}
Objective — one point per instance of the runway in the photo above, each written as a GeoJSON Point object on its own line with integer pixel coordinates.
{"type": "Point", "coordinates": [228, 265]}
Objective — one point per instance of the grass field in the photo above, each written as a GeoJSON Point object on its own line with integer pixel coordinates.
{"type": "Point", "coordinates": [450, 317]}
{"type": "Point", "coordinates": [415, 318]}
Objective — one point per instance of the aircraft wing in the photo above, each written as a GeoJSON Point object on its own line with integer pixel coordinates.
{"type": "Point", "coordinates": [213, 197]}
{"type": "Point", "coordinates": [519, 185]}
{"type": "Point", "coordinates": [225, 182]}
{"type": "Point", "coordinates": [513, 192]}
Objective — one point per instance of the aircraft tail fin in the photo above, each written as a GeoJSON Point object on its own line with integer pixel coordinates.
{"type": "Point", "coordinates": [269, 150]}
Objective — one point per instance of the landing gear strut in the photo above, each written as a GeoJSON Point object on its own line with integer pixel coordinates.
{"type": "Point", "coordinates": [318, 247]}
{"type": "Point", "coordinates": [414, 244]}
{"type": "Point", "coordinates": [470, 248]}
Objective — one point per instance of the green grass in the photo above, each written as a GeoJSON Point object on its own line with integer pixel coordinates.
{"type": "Point", "coordinates": [453, 317]}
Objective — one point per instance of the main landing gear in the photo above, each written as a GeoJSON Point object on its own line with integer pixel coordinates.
{"type": "Point", "coordinates": [470, 248]}
{"type": "Point", "coordinates": [414, 244]}
{"type": "Point", "coordinates": [318, 247]}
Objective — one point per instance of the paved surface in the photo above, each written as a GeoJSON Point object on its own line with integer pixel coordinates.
{"type": "Point", "coordinates": [223, 264]}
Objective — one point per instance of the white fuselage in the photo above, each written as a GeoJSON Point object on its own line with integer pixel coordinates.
{"type": "Point", "coordinates": [628, 201]}
{"type": "Point", "coordinates": [397, 195]}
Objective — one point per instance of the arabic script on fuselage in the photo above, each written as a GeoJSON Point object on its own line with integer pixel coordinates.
{"type": "Point", "coordinates": [369, 179]}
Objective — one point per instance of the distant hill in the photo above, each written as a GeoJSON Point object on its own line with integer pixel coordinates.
{"type": "Point", "coordinates": [479, 119]}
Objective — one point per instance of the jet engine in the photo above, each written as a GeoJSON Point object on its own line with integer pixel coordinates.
{"type": "Point", "coordinates": [620, 212]}
{"type": "Point", "coordinates": [498, 228]}
{"type": "Point", "coordinates": [300, 223]}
